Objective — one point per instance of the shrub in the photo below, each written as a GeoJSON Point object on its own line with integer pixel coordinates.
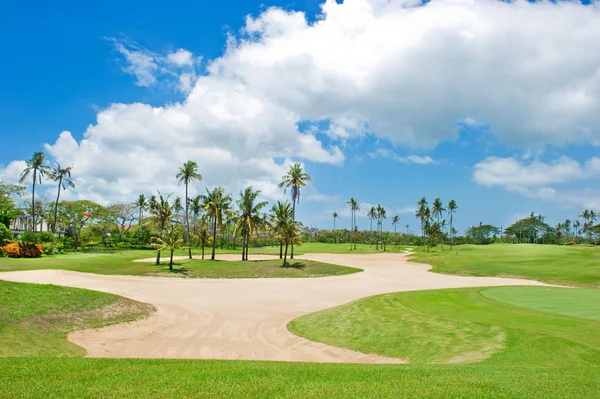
{"type": "Point", "coordinates": [12, 250]}
{"type": "Point", "coordinates": [6, 235]}
{"type": "Point", "coordinates": [49, 248]}
{"type": "Point", "coordinates": [38, 238]}
{"type": "Point", "coordinates": [22, 250]}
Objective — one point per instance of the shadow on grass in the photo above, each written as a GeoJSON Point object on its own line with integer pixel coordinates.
{"type": "Point", "coordinates": [295, 265]}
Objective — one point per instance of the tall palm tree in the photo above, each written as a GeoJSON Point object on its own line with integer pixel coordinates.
{"type": "Point", "coordinates": [195, 209]}
{"type": "Point", "coordinates": [372, 215]}
{"type": "Point", "coordinates": [295, 178]}
{"type": "Point", "coordinates": [335, 216]}
{"type": "Point", "coordinates": [422, 213]}
{"type": "Point", "coordinates": [142, 204]}
{"type": "Point", "coordinates": [353, 209]}
{"type": "Point", "coordinates": [63, 177]}
{"type": "Point", "coordinates": [249, 219]}
{"type": "Point", "coordinates": [37, 167]}
{"type": "Point", "coordinates": [380, 214]}
{"type": "Point", "coordinates": [586, 216]}
{"type": "Point", "coordinates": [280, 213]}
{"type": "Point", "coordinates": [437, 211]}
{"type": "Point", "coordinates": [163, 212]}
{"type": "Point", "coordinates": [216, 204]}
{"type": "Point", "coordinates": [576, 226]}
{"type": "Point", "coordinates": [285, 227]}
{"type": "Point", "coordinates": [452, 207]}
{"type": "Point", "coordinates": [395, 221]}
{"type": "Point", "coordinates": [188, 173]}
{"type": "Point", "coordinates": [593, 217]}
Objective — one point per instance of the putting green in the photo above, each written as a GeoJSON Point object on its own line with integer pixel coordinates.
{"type": "Point", "coordinates": [574, 302]}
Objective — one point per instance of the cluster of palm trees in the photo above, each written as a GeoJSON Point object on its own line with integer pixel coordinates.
{"type": "Point", "coordinates": [432, 222]}
{"type": "Point", "coordinates": [38, 168]}
{"type": "Point", "coordinates": [588, 227]}
{"type": "Point", "coordinates": [215, 208]}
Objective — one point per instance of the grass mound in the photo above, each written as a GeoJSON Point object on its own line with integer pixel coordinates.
{"type": "Point", "coordinates": [459, 326]}
{"type": "Point", "coordinates": [35, 319]}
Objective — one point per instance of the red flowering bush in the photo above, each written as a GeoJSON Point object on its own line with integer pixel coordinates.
{"type": "Point", "coordinates": [22, 250]}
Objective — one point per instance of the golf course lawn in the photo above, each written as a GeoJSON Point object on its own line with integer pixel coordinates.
{"type": "Point", "coordinates": [570, 265]}
{"type": "Point", "coordinates": [35, 319]}
{"type": "Point", "coordinates": [540, 355]}
{"type": "Point", "coordinates": [121, 263]}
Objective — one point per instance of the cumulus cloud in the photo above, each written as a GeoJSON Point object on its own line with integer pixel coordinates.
{"type": "Point", "coordinates": [416, 159]}
{"type": "Point", "coordinates": [399, 70]}
{"type": "Point", "coordinates": [535, 178]}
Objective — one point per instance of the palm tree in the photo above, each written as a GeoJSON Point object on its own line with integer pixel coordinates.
{"type": "Point", "coordinates": [203, 237]}
{"type": "Point", "coordinates": [170, 241]}
{"type": "Point", "coordinates": [353, 209]}
{"type": "Point", "coordinates": [437, 211]}
{"type": "Point", "coordinates": [380, 213]}
{"type": "Point", "coordinates": [372, 215]}
{"type": "Point", "coordinates": [335, 216]}
{"type": "Point", "coordinates": [63, 177]}
{"type": "Point", "coordinates": [38, 168]}
{"type": "Point", "coordinates": [593, 217]}
{"type": "Point", "coordinates": [249, 219]}
{"type": "Point", "coordinates": [196, 209]}
{"type": "Point", "coordinates": [452, 207]}
{"type": "Point", "coordinates": [216, 204]}
{"type": "Point", "coordinates": [395, 221]}
{"type": "Point", "coordinates": [422, 214]}
{"type": "Point", "coordinates": [162, 211]}
{"type": "Point", "coordinates": [576, 226]}
{"type": "Point", "coordinates": [142, 204]}
{"type": "Point", "coordinates": [286, 228]}
{"type": "Point", "coordinates": [188, 173]}
{"type": "Point", "coordinates": [280, 213]}
{"type": "Point", "coordinates": [294, 179]}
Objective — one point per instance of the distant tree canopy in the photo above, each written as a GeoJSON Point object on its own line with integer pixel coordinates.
{"type": "Point", "coordinates": [482, 234]}
{"type": "Point", "coordinates": [529, 229]}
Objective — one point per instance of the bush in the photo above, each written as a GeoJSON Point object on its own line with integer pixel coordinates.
{"type": "Point", "coordinates": [22, 250]}
{"type": "Point", "coordinates": [6, 235]}
{"type": "Point", "coordinates": [38, 238]}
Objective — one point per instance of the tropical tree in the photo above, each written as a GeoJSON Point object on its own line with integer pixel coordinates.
{"type": "Point", "coordinates": [188, 173]}
{"type": "Point", "coordinates": [142, 204]}
{"type": "Point", "coordinates": [380, 214]}
{"type": "Point", "coordinates": [422, 213]}
{"type": "Point", "coordinates": [437, 211]}
{"type": "Point", "coordinates": [286, 230]}
{"type": "Point", "coordinates": [63, 177]}
{"type": "Point", "coordinates": [372, 215]}
{"type": "Point", "coordinates": [216, 204]}
{"type": "Point", "coordinates": [249, 219]}
{"type": "Point", "coordinates": [163, 212]}
{"type": "Point", "coordinates": [335, 216]}
{"type": "Point", "coordinates": [195, 209]}
{"type": "Point", "coordinates": [203, 237]}
{"type": "Point", "coordinates": [452, 207]}
{"type": "Point", "coordinates": [172, 240]}
{"type": "Point", "coordinates": [294, 180]}
{"type": "Point", "coordinates": [280, 214]}
{"type": "Point", "coordinates": [75, 215]}
{"type": "Point", "coordinates": [8, 206]}
{"type": "Point", "coordinates": [395, 221]}
{"type": "Point", "coordinates": [122, 216]}
{"type": "Point", "coordinates": [36, 166]}
{"type": "Point", "coordinates": [353, 209]}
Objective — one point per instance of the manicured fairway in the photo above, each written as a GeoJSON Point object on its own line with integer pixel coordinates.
{"type": "Point", "coordinates": [121, 263]}
{"type": "Point", "coordinates": [460, 325]}
{"type": "Point", "coordinates": [577, 266]}
{"type": "Point", "coordinates": [565, 301]}
{"type": "Point", "coordinates": [35, 319]}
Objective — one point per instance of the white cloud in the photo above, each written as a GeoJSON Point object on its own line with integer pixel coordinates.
{"type": "Point", "coordinates": [385, 153]}
{"type": "Point", "coordinates": [535, 179]}
{"type": "Point", "coordinates": [527, 70]}
{"type": "Point", "coordinates": [181, 57]}
{"type": "Point", "coordinates": [12, 172]}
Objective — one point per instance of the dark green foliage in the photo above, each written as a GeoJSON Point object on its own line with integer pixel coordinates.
{"type": "Point", "coordinates": [38, 238]}
{"type": "Point", "coordinates": [482, 234]}
{"type": "Point", "coordinates": [6, 235]}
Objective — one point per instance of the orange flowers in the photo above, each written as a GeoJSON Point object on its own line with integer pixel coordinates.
{"type": "Point", "coordinates": [25, 250]}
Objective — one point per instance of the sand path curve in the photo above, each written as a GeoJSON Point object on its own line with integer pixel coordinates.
{"type": "Point", "coordinates": [244, 318]}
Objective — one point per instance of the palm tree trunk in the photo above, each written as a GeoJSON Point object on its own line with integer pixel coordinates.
{"type": "Point", "coordinates": [187, 220]}
{"type": "Point", "coordinates": [355, 230]}
{"type": "Point", "coordinates": [56, 206]}
{"type": "Point", "coordinates": [244, 248]}
{"type": "Point", "coordinates": [171, 261]}
{"type": "Point", "coordinates": [285, 256]}
{"type": "Point", "coordinates": [280, 249]}
{"type": "Point", "coordinates": [158, 257]}
{"type": "Point", "coordinates": [202, 251]}
{"type": "Point", "coordinates": [212, 257]}
{"type": "Point", "coordinates": [33, 202]}
{"type": "Point", "coordinates": [451, 233]}
{"type": "Point", "coordinates": [294, 221]}
{"type": "Point", "coordinates": [139, 224]}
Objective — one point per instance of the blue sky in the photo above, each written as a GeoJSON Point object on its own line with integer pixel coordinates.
{"type": "Point", "coordinates": [495, 105]}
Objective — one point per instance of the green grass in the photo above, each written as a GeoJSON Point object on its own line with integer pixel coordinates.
{"type": "Point", "coordinates": [121, 263]}
{"type": "Point", "coordinates": [577, 266]}
{"type": "Point", "coordinates": [464, 326]}
{"type": "Point", "coordinates": [568, 302]}
{"type": "Point", "coordinates": [35, 319]}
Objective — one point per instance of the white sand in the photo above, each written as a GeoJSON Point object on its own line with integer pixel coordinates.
{"type": "Point", "coordinates": [244, 318]}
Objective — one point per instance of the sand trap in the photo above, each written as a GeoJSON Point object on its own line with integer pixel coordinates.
{"type": "Point", "coordinates": [245, 318]}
